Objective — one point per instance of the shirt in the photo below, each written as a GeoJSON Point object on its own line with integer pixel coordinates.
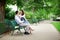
{"type": "Point", "coordinates": [17, 19]}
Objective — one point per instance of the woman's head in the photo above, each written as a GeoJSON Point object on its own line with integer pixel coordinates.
{"type": "Point", "coordinates": [22, 12]}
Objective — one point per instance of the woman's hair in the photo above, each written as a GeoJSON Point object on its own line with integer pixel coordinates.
{"type": "Point", "coordinates": [22, 12]}
{"type": "Point", "coordinates": [16, 12]}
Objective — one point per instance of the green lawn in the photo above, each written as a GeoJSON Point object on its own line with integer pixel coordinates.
{"type": "Point", "coordinates": [57, 25]}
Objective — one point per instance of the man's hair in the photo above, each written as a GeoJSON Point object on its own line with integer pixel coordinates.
{"type": "Point", "coordinates": [16, 12]}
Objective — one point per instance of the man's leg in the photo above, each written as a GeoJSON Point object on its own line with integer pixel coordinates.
{"type": "Point", "coordinates": [27, 30]}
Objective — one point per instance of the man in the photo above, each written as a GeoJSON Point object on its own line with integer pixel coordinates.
{"type": "Point", "coordinates": [18, 20]}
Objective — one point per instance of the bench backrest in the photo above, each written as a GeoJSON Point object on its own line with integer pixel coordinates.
{"type": "Point", "coordinates": [14, 23]}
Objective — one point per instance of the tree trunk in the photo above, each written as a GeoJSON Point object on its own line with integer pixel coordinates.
{"type": "Point", "coordinates": [2, 11]}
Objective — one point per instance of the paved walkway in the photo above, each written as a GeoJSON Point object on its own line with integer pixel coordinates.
{"type": "Point", "coordinates": [42, 31]}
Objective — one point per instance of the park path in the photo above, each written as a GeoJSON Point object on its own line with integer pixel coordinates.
{"type": "Point", "coordinates": [42, 31]}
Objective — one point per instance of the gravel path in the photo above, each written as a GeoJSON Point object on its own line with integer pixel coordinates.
{"type": "Point", "coordinates": [42, 31]}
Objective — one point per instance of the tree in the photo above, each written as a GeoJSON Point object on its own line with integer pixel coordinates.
{"type": "Point", "coordinates": [26, 4]}
{"type": "Point", "coordinates": [3, 4]}
{"type": "Point", "coordinates": [2, 11]}
{"type": "Point", "coordinates": [58, 9]}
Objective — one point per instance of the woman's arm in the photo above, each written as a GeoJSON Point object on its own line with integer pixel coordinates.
{"type": "Point", "coordinates": [24, 17]}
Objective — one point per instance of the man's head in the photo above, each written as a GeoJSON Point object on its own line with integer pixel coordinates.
{"type": "Point", "coordinates": [16, 12]}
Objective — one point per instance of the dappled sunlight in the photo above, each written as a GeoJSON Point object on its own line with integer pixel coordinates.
{"type": "Point", "coordinates": [13, 7]}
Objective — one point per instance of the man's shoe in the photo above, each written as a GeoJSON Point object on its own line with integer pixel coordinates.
{"type": "Point", "coordinates": [26, 33]}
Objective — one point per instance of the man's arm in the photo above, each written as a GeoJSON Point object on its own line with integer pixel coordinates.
{"type": "Point", "coordinates": [17, 19]}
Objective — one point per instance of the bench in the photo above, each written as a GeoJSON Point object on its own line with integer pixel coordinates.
{"type": "Point", "coordinates": [14, 26]}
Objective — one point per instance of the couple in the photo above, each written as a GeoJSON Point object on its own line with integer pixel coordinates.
{"type": "Point", "coordinates": [22, 21]}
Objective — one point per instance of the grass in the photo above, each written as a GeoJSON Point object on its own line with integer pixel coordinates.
{"type": "Point", "coordinates": [57, 25]}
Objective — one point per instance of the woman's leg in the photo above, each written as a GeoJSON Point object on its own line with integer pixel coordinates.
{"type": "Point", "coordinates": [27, 28]}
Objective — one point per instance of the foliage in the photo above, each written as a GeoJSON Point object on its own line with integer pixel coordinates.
{"type": "Point", "coordinates": [3, 28]}
{"type": "Point", "coordinates": [35, 10]}
{"type": "Point", "coordinates": [9, 14]}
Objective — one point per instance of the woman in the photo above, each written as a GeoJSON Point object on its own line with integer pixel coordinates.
{"type": "Point", "coordinates": [22, 17]}
{"type": "Point", "coordinates": [21, 23]}
{"type": "Point", "coordinates": [25, 21]}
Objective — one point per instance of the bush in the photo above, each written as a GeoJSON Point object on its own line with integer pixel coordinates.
{"type": "Point", "coordinates": [33, 17]}
{"type": "Point", "coordinates": [3, 28]}
{"type": "Point", "coordinates": [9, 14]}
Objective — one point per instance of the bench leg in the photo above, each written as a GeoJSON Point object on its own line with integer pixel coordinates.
{"type": "Point", "coordinates": [20, 31]}
{"type": "Point", "coordinates": [12, 32]}
{"type": "Point", "coordinates": [24, 30]}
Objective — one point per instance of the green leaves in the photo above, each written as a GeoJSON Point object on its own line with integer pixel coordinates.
{"type": "Point", "coordinates": [10, 2]}
{"type": "Point", "coordinates": [39, 9]}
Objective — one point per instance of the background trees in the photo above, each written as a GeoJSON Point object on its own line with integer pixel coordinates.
{"type": "Point", "coordinates": [39, 9]}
